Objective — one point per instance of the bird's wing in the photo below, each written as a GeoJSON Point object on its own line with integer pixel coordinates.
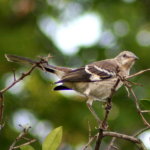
{"type": "Point", "coordinates": [93, 72]}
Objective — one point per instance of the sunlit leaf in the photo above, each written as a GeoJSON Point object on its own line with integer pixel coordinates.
{"type": "Point", "coordinates": [53, 140]}
{"type": "Point", "coordinates": [26, 147]}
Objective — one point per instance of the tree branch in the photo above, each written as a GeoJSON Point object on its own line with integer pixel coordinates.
{"type": "Point", "coordinates": [133, 139]}
{"type": "Point", "coordinates": [103, 125]}
{"type": "Point", "coordinates": [122, 136]}
{"type": "Point", "coordinates": [27, 143]}
{"type": "Point", "coordinates": [37, 64]}
{"type": "Point", "coordinates": [138, 73]}
{"type": "Point", "coordinates": [20, 137]}
{"type": "Point", "coordinates": [140, 131]}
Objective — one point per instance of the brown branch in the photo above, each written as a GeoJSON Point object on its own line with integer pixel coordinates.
{"type": "Point", "coordinates": [18, 80]}
{"type": "Point", "coordinates": [20, 137]}
{"type": "Point", "coordinates": [99, 139]}
{"type": "Point", "coordinates": [128, 87]}
{"type": "Point", "coordinates": [103, 125]}
{"type": "Point", "coordinates": [27, 143]}
{"type": "Point", "coordinates": [10, 86]}
{"type": "Point", "coordinates": [133, 139]}
{"type": "Point", "coordinates": [37, 64]}
{"type": "Point", "coordinates": [129, 138]}
{"type": "Point", "coordinates": [138, 73]}
{"type": "Point", "coordinates": [140, 131]}
{"type": "Point", "coordinates": [138, 108]}
{"type": "Point", "coordinates": [122, 136]}
{"type": "Point", "coordinates": [128, 84]}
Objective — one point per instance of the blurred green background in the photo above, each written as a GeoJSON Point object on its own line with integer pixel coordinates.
{"type": "Point", "coordinates": [75, 32]}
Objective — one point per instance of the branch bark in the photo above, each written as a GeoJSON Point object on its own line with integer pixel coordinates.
{"type": "Point", "coordinates": [103, 125]}
{"type": "Point", "coordinates": [37, 64]}
{"type": "Point", "coordinates": [138, 73]}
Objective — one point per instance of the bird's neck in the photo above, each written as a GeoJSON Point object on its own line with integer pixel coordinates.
{"type": "Point", "coordinates": [127, 67]}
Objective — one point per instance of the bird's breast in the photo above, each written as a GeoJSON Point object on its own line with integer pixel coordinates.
{"type": "Point", "coordinates": [99, 90]}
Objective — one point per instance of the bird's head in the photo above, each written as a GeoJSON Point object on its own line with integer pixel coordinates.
{"type": "Point", "coordinates": [126, 59]}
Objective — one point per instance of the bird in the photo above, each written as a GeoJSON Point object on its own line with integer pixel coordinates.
{"type": "Point", "coordinates": [95, 80]}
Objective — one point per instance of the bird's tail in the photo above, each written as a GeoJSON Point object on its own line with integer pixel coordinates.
{"type": "Point", "coordinates": [19, 59]}
{"type": "Point", "coordinates": [59, 71]}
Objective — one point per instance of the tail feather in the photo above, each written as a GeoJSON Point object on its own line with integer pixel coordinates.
{"type": "Point", "coordinates": [59, 71]}
{"type": "Point", "coordinates": [14, 58]}
{"type": "Point", "coordinates": [24, 60]}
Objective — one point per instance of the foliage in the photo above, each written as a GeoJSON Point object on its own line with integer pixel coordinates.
{"type": "Point", "coordinates": [51, 142]}
{"type": "Point", "coordinates": [26, 147]}
{"type": "Point", "coordinates": [20, 34]}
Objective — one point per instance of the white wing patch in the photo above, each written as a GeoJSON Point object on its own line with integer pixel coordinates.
{"type": "Point", "coordinates": [105, 71]}
{"type": "Point", "coordinates": [95, 76]}
{"type": "Point", "coordinates": [87, 71]}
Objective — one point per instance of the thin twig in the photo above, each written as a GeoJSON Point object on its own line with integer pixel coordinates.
{"type": "Point", "coordinates": [138, 73]}
{"type": "Point", "coordinates": [140, 131]}
{"type": "Point", "coordinates": [138, 108]}
{"type": "Point", "coordinates": [21, 136]}
{"type": "Point", "coordinates": [127, 85]}
{"type": "Point", "coordinates": [10, 86]}
{"type": "Point", "coordinates": [89, 142]}
{"type": "Point", "coordinates": [145, 111]}
{"type": "Point", "coordinates": [111, 145]}
{"type": "Point", "coordinates": [18, 80]}
{"type": "Point", "coordinates": [27, 143]}
{"type": "Point", "coordinates": [37, 64]}
{"type": "Point", "coordinates": [91, 139]}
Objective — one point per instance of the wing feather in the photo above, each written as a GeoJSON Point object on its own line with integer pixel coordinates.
{"type": "Point", "coordinates": [90, 73]}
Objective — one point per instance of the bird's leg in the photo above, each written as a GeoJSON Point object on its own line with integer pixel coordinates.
{"type": "Point", "coordinates": [89, 105]}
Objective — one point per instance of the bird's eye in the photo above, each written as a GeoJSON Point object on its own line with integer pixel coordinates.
{"type": "Point", "coordinates": [124, 55]}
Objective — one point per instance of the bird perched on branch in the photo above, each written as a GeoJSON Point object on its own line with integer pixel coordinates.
{"type": "Point", "coordinates": [95, 80]}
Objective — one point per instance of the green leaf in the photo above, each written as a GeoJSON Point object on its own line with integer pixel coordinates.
{"type": "Point", "coordinates": [53, 139]}
{"type": "Point", "coordinates": [26, 147]}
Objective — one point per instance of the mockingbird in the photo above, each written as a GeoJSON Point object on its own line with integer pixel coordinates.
{"type": "Point", "coordinates": [95, 80]}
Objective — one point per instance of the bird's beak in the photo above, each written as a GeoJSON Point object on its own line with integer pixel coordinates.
{"type": "Point", "coordinates": [135, 57]}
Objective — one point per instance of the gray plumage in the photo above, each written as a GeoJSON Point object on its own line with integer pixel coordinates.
{"type": "Point", "coordinates": [95, 80]}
